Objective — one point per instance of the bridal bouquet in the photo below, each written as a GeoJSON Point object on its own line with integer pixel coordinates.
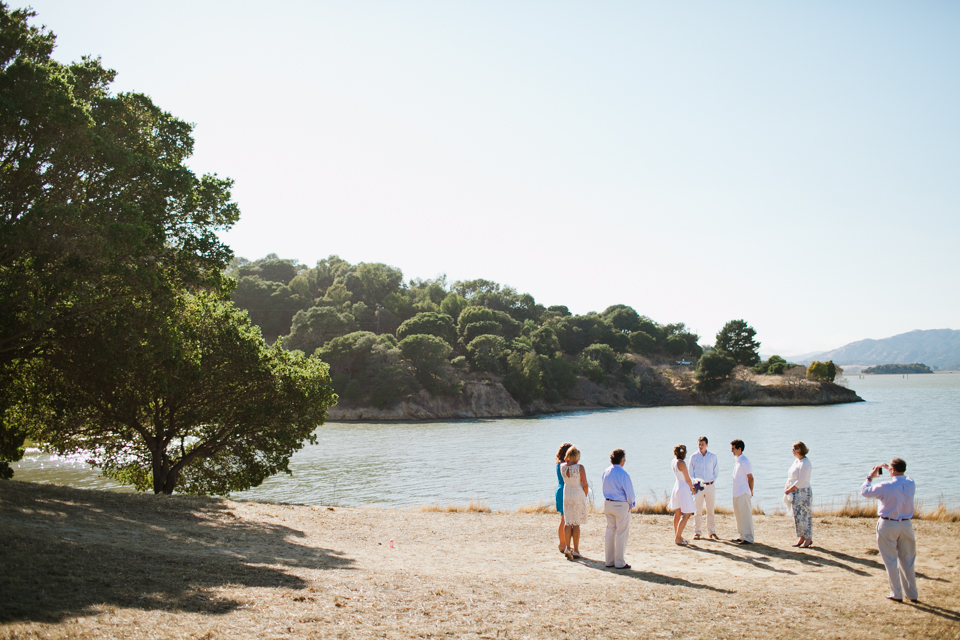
{"type": "Point", "coordinates": [698, 485]}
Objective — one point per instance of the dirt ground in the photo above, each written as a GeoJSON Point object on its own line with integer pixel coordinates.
{"type": "Point", "coordinates": [88, 564]}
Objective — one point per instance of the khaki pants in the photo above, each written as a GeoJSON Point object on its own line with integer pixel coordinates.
{"type": "Point", "coordinates": [742, 509]}
{"type": "Point", "coordinates": [618, 530]}
{"type": "Point", "coordinates": [898, 548]}
{"type": "Point", "coordinates": [708, 495]}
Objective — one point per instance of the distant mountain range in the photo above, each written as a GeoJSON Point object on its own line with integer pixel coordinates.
{"type": "Point", "coordinates": [937, 348]}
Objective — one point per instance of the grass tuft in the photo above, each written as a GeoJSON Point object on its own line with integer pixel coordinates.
{"type": "Point", "coordinates": [474, 506]}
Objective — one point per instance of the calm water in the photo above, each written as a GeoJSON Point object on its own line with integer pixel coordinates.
{"type": "Point", "coordinates": [509, 462]}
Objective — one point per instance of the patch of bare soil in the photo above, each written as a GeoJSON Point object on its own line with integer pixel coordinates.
{"type": "Point", "coordinates": [89, 564]}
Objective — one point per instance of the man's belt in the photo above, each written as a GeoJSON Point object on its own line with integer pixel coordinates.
{"type": "Point", "coordinates": [709, 482]}
{"type": "Point", "coordinates": [895, 519]}
{"type": "Point", "coordinates": [612, 500]}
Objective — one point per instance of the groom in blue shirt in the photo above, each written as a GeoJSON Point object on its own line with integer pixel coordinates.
{"type": "Point", "coordinates": [618, 500]}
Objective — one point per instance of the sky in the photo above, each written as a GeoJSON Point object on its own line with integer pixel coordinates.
{"type": "Point", "coordinates": [795, 165]}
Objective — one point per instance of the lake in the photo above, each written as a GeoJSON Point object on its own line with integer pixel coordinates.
{"type": "Point", "coordinates": [507, 463]}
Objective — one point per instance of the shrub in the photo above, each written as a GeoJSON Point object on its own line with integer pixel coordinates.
{"type": "Point", "coordinates": [486, 352]}
{"type": "Point", "coordinates": [822, 371]}
{"type": "Point", "coordinates": [712, 369]}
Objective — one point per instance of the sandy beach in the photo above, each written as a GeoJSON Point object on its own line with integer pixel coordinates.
{"type": "Point", "coordinates": [91, 564]}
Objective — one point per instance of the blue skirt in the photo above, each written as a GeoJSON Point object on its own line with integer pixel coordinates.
{"type": "Point", "coordinates": [559, 496]}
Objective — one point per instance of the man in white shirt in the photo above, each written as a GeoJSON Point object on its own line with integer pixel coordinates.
{"type": "Point", "coordinates": [705, 466]}
{"type": "Point", "coordinates": [895, 539]}
{"type": "Point", "coordinates": [742, 493]}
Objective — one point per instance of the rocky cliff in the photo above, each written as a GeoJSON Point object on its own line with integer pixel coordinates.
{"type": "Point", "coordinates": [486, 397]}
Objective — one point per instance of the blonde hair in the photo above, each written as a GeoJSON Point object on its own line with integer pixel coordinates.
{"type": "Point", "coordinates": [802, 448]}
{"type": "Point", "coordinates": [572, 454]}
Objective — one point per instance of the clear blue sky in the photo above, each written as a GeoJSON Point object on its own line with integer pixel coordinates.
{"type": "Point", "coordinates": [793, 164]}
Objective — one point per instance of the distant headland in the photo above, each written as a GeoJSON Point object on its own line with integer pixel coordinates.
{"type": "Point", "coordinates": [432, 349]}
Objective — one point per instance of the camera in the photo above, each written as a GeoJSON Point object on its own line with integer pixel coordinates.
{"type": "Point", "coordinates": [880, 471]}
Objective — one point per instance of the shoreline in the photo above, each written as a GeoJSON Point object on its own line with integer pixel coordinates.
{"type": "Point", "coordinates": [487, 398]}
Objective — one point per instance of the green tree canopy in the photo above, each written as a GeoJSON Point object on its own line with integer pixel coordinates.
{"type": "Point", "coordinates": [822, 371]}
{"type": "Point", "coordinates": [312, 328]}
{"type": "Point", "coordinates": [348, 354]}
{"type": "Point", "coordinates": [774, 365]}
{"type": "Point", "coordinates": [453, 305]}
{"type": "Point", "coordinates": [712, 369]}
{"type": "Point", "coordinates": [622, 318]}
{"type": "Point", "coordinates": [642, 342]}
{"type": "Point", "coordinates": [97, 201]}
{"type": "Point", "coordinates": [486, 353]}
{"type": "Point", "coordinates": [603, 355]}
{"type": "Point", "coordinates": [191, 400]}
{"type": "Point", "coordinates": [429, 323]}
{"type": "Point", "coordinates": [736, 339]}
{"type": "Point", "coordinates": [677, 345]}
{"type": "Point", "coordinates": [427, 354]}
{"type": "Point", "coordinates": [271, 305]}
{"type": "Point", "coordinates": [271, 270]}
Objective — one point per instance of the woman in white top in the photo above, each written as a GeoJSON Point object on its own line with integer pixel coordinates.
{"type": "Point", "coordinates": [681, 499]}
{"type": "Point", "coordinates": [798, 484]}
{"type": "Point", "coordinates": [574, 500]}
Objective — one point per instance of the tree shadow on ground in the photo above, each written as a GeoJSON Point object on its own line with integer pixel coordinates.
{"type": "Point", "coordinates": [649, 576]}
{"type": "Point", "coordinates": [68, 552]}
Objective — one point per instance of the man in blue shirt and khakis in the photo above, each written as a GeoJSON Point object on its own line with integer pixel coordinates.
{"type": "Point", "coordinates": [895, 539]}
{"type": "Point", "coordinates": [618, 499]}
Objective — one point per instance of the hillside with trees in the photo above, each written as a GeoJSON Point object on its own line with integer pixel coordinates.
{"type": "Point", "coordinates": [443, 348]}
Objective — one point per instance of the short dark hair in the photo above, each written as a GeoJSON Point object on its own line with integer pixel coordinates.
{"type": "Point", "coordinates": [899, 465]}
{"type": "Point", "coordinates": [737, 444]}
{"type": "Point", "coordinates": [617, 456]}
{"type": "Point", "coordinates": [703, 439]}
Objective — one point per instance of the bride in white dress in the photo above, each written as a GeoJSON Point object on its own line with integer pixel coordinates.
{"type": "Point", "coordinates": [681, 500]}
{"type": "Point", "coordinates": [574, 500]}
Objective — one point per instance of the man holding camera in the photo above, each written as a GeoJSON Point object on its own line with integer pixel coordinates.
{"type": "Point", "coordinates": [895, 539]}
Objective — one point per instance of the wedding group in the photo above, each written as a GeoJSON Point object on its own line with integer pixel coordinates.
{"type": "Point", "coordinates": [694, 491]}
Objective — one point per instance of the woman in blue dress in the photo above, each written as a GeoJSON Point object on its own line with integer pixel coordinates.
{"type": "Point", "coordinates": [561, 454]}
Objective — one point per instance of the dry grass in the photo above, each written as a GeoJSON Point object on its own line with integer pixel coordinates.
{"type": "Point", "coordinates": [939, 514]}
{"type": "Point", "coordinates": [89, 564]}
{"type": "Point", "coordinates": [474, 506]}
{"type": "Point", "coordinates": [539, 507]}
{"type": "Point", "coordinates": [851, 508]}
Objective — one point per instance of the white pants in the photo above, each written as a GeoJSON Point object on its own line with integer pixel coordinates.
{"type": "Point", "coordinates": [898, 548]}
{"type": "Point", "coordinates": [708, 495]}
{"type": "Point", "coordinates": [618, 530]}
{"type": "Point", "coordinates": [743, 511]}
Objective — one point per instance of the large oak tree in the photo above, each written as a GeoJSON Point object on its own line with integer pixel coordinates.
{"type": "Point", "coordinates": [97, 204]}
{"type": "Point", "coordinates": [191, 399]}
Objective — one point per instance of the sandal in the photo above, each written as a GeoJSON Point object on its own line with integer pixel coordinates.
{"type": "Point", "coordinates": [682, 543]}
{"type": "Point", "coordinates": [576, 554]}
{"type": "Point", "coordinates": [568, 553]}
